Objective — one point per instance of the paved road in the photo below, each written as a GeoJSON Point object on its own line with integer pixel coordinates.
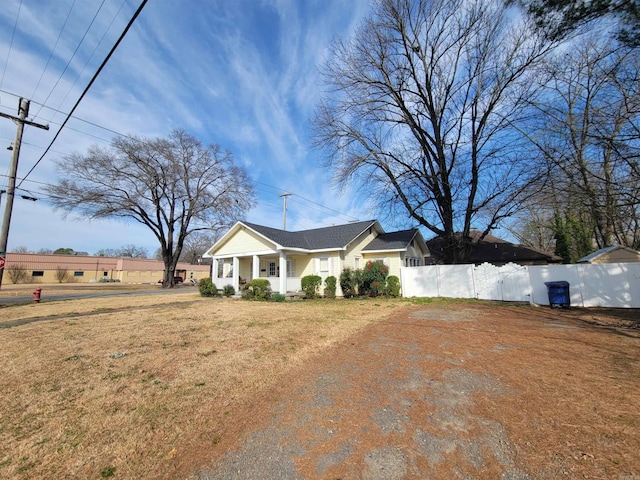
{"type": "Point", "coordinates": [23, 298]}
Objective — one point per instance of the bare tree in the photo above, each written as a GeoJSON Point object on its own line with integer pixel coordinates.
{"type": "Point", "coordinates": [588, 133]}
{"type": "Point", "coordinates": [421, 110]}
{"type": "Point", "coordinates": [18, 273]}
{"type": "Point", "coordinates": [21, 249]}
{"type": "Point", "coordinates": [62, 274]}
{"type": "Point", "coordinates": [196, 245]}
{"type": "Point", "coordinates": [130, 251]}
{"type": "Point", "coordinates": [174, 186]}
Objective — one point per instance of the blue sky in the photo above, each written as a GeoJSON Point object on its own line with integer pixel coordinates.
{"type": "Point", "coordinates": [239, 73]}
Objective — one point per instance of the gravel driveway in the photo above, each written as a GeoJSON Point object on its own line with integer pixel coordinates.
{"type": "Point", "coordinates": [398, 402]}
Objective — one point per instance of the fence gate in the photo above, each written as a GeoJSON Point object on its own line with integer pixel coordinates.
{"type": "Point", "coordinates": [509, 283]}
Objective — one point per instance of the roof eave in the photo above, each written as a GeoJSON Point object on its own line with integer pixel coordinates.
{"type": "Point", "coordinates": [386, 250]}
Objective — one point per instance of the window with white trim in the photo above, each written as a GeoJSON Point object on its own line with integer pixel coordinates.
{"type": "Point", "coordinates": [356, 263]}
{"type": "Point", "coordinates": [272, 268]}
{"type": "Point", "coordinates": [324, 264]}
{"type": "Point", "coordinates": [291, 267]}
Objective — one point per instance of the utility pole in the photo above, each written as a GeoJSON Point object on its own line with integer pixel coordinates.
{"type": "Point", "coordinates": [20, 120]}
{"type": "Point", "coordinates": [284, 213]}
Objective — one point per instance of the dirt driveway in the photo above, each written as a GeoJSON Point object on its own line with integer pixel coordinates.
{"type": "Point", "coordinates": [456, 391]}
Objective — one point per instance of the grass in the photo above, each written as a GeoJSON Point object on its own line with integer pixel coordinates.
{"type": "Point", "coordinates": [140, 386]}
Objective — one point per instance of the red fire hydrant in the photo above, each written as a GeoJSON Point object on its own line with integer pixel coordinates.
{"type": "Point", "coordinates": [36, 295]}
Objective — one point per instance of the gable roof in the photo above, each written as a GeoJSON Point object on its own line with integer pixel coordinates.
{"type": "Point", "coordinates": [604, 251]}
{"type": "Point", "coordinates": [324, 238]}
{"type": "Point", "coordinates": [395, 241]}
{"type": "Point", "coordinates": [336, 236]}
{"type": "Point", "coordinates": [495, 250]}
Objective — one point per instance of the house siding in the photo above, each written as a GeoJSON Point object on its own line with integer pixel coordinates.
{"type": "Point", "coordinates": [618, 256]}
{"type": "Point", "coordinates": [241, 242]}
{"type": "Point", "coordinates": [355, 249]}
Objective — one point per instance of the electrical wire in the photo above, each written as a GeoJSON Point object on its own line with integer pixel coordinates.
{"type": "Point", "coordinates": [93, 79]}
{"type": "Point", "coordinates": [91, 56]}
{"type": "Point", "coordinates": [53, 49]}
{"type": "Point", "coordinates": [64, 70]}
{"type": "Point", "coordinates": [13, 34]}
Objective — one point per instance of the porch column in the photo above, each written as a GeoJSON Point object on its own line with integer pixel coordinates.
{"type": "Point", "coordinates": [214, 270]}
{"type": "Point", "coordinates": [256, 267]}
{"type": "Point", "coordinates": [236, 273]}
{"type": "Point", "coordinates": [283, 272]}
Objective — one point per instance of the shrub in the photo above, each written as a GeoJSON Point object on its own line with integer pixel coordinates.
{"type": "Point", "coordinates": [228, 290]}
{"type": "Point", "coordinates": [310, 285]}
{"type": "Point", "coordinates": [348, 283]}
{"type": "Point", "coordinates": [17, 273]}
{"type": "Point", "coordinates": [258, 289]}
{"type": "Point", "coordinates": [330, 287]}
{"type": "Point", "coordinates": [393, 286]}
{"type": "Point", "coordinates": [373, 279]}
{"type": "Point", "coordinates": [278, 297]}
{"type": "Point", "coordinates": [207, 287]}
{"type": "Point", "coordinates": [62, 275]}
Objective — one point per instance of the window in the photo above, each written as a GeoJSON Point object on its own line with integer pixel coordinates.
{"type": "Point", "coordinates": [356, 263]}
{"type": "Point", "coordinates": [272, 269]}
{"type": "Point", "coordinates": [78, 274]}
{"type": "Point", "coordinates": [37, 273]}
{"type": "Point", "coordinates": [412, 262]}
{"type": "Point", "coordinates": [291, 267]}
{"type": "Point", "coordinates": [324, 264]}
{"type": "Point", "coordinates": [105, 274]}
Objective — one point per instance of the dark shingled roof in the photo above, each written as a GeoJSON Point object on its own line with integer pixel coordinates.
{"type": "Point", "coordinates": [337, 236]}
{"type": "Point", "coordinates": [494, 250]}
{"type": "Point", "coordinates": [392, 241]}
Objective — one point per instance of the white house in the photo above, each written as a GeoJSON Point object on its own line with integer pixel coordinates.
{"type": "Point", "coordinates": [248, 251]}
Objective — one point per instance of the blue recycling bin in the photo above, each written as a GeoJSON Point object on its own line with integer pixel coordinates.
{"type": "Point", "coordinates": [558, 294]}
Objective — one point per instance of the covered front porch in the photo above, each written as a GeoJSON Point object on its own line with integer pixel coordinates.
{"type": "Point", "coordinates": [236, 270]}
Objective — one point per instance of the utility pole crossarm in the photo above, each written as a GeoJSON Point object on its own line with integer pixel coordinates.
{"type": "Point", "coordinates": [24, 121]}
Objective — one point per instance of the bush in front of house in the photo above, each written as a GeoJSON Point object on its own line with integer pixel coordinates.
{"type": "Point", "coordinates": [228, 291]}
{"type": "Point", "coordinates": [311, 285]}
{"type": "Point", "coordinates": [373, 279]}
{"type": "Point", "coordinates": [258, 289]}
{"type": "Point", "coordinates": [348, 283]}
{"type": "Point", "coordinates": [330, 287]}
{"type": "Point", "coordinates": [393, 286]}
{"type": "Point", "coordinates": [207, 287]}
{"type": "Point", "coordinates": [278, 297]}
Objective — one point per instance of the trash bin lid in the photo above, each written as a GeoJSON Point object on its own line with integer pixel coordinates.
{"type": "Point", "coordinates": [559, 283]}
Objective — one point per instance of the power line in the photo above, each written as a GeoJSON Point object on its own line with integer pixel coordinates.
{"type": "Point", "coordinates": [15, 26]}
{"type": "Point", "coordinates": [308, 200]}
{"type": "Point", "coordinates": [88, 122]}
{"type": "Point", "coordinates": [92, 53]}
{"type": "Point", "coordinates": [93, 79]}
{"type": "Point", "coordinates": [73, 55]}
{"type": "Point", "coordinates": [53, 49]}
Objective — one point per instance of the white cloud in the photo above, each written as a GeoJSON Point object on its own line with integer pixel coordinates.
{"type": "Point", "coordinates": [241, 74]}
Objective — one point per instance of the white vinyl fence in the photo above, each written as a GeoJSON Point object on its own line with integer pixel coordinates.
{"type": "Point", "coordinates": [606, 285]}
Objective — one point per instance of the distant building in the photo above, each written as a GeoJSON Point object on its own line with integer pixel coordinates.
{"type": "Point", "coordinates": [86, 269]}
{"type": "Point", "coordinates": [494, 250]}
{"type": "Point", "coordinates": [614, 254]}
